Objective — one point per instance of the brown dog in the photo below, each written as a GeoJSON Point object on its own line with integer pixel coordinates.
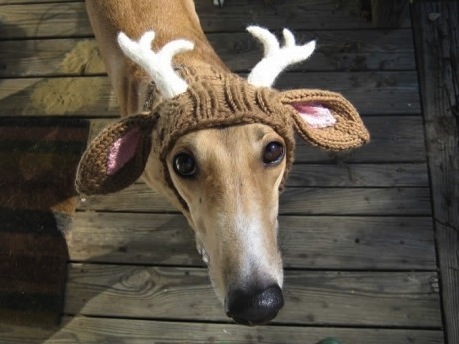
{"type": "Point", "coordinates": [219, 147]}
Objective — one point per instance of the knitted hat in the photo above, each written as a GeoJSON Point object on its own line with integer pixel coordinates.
{"type": "Point", "coordinates": [215, 99]}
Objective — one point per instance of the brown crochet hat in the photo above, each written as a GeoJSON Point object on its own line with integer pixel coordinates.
{"type": "Point", "coordinates": [214, 99]}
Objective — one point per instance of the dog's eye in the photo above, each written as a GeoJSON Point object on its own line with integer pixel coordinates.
{"type": "Point", "coordinates": [184, 165]}
{"type": "Point", "coordinates": [274, 153]}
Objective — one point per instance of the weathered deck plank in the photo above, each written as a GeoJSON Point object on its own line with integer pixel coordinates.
{"type": "Point", "coordinates": [372, 92]}
{"type": "Point", "coordinates": [350, 201]}
{"type": "Point", "coordinates": [359, 175]}
{"type": "Point", "coordinates": [294, 200]}
{"type": "Point", "coordinates": [91, 330]}
{"type": "Point", "coordinates": [388, 14]}
{"type": "Point", "coordinates": [313, 297]}
{"type": "Point", "coordinates": [436, 34]}
{"type": "Point", "coordinates": [328, 242]}
{"type": "Point", "coordinates": [352, 50]}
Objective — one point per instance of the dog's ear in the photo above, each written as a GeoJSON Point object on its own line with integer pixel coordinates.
{"type": "Point", "coordinates": [325, 119]}
{"type": "Point", "coordinates": [116, 157]}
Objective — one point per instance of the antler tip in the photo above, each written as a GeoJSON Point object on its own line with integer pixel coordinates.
{"type": "Point", "coordinates": [147, 38]}
{"type": "Point", "coordinates": [310, 47]}
{"type": "Point", "coordinates": [122, 36]}
{"type": "Point", "coordinates": [288, 38]}
{"type": "Point", "coordinates": [253, 28]}
{"type": "Point", "coordinates": [186, 44]}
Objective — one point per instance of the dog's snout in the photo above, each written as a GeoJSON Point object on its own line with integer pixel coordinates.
{"type": "Point", "coordinates": [254, 307]}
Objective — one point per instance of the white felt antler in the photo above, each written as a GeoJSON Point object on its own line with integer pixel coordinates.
{"type": "Point", "coordinates": [157, 65]}
{"type": "Point", "coordinates": [276, 59]}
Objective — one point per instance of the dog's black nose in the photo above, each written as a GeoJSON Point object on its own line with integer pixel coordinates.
{"type": "Point", "coordinates": [254, 307]}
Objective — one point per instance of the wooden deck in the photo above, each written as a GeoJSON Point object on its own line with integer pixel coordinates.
{"type": "Point", "coordinates": [357, 229]}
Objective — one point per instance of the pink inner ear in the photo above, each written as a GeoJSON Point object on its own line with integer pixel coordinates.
{"type": "Point", "coordinates": [122, 151]}
{"type": "Point", "coordinates": [315, 115]}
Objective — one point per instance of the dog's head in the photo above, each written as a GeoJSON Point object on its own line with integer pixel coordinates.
{"type": "Point", "coordinates": [221, 150]}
